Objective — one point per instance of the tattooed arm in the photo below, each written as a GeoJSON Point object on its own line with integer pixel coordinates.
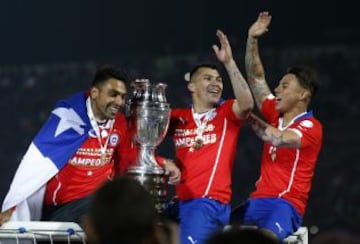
{"type": "Point", "coordinates": [244, 101]}
{"type": "Point", "coordinates": [253, 65]}
{"type": "Point", "coordinates": [272, 135]}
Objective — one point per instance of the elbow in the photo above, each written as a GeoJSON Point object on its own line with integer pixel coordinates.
{"type": "Point", "coordinates": [244, 108]}
{"type": "Point", "coordinates": [247, 110]}
{"type": "Point", "coordinates": [248, 107]}
{"type": "Point", "coordinates": [251, 105]}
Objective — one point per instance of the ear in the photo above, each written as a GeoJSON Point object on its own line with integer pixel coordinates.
{"type": "Point", "coordinates": [191, 87]}
{"type": "Point", "coordinates": [94, 92]}
{"type": "Point", "coordinates": [305, 95]}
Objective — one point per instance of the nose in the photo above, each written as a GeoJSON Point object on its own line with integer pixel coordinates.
{"type": "Point", "coordinates": [277, 89]}
{"type": "Point", "coordinates": [215, 82]}
{"type": "Point", "coordinates": [119, 100]}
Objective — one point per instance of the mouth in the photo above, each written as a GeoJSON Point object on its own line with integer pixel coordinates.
{"type": "Point", "coordinates": [114, 109]}
{"type": "Point", "coordinates": [214, 91]}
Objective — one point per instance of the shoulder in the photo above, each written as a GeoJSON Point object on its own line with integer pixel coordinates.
{"type": "Point", "coordinates": [309, 123]}
{"type": "Point", "coordinates": [225, 109]}
{"type": "Point", "coordinates": [225, 104]}
{"type": "Point", "coordinates": [120, 119]}
{"type": "Point", "coordinates": [176, 112]}
{"type": "Point", "coordinates": [309, 128]}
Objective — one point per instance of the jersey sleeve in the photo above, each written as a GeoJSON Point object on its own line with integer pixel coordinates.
{"type": "Point", "coordinates": [310, 132]}
{"type": "Point", "coordinates": [227, 106]}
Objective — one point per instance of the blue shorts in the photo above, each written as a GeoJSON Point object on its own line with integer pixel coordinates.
{"type": "Point", "coordinates": [200, 218]}
{"type": "Point", "coordinates": [274, 214]}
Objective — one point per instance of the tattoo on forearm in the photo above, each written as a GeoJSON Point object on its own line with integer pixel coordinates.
{"type": "Point", "coordinates": [253, 63]}
{"type": "Point", "coordinates": [259, 89]}
{"type": "Point", "coordinates": [260, 132]}
{"type": "Point", "coordinates": [276, 140]}
{"type": "Point", "coordinates": [260, 127]}
{"type": "Point", "coordinates": [236, 74]}
{"type": "Point", "coordinates": [255, 71]}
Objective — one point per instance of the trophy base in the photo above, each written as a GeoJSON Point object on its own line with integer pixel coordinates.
{"type": "Point", "coordinates": [155, 182]}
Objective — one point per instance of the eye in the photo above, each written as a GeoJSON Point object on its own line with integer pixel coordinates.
{"type": "Point", "coordinates": [112, 94]}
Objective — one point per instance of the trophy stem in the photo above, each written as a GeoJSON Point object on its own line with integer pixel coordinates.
{"type": "Point", "coordinates": [151, 176]}
{"type": "Point", "coordinates": [146, 158]}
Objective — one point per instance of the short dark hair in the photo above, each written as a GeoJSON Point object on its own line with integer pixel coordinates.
{"type": "Point", "coordinates": [107, 72]}
{"type": "Point", "coordinates": [123, 211]}
{"type": "Point", "coordinates": [204, 65]}
{"type": "Point", "coordinates": [307, 77]}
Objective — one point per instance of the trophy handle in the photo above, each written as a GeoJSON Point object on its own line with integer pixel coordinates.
{"type": "Point", "coordinates": [158, 93]}
{"type": "Point", "coordinates": [141, 90]}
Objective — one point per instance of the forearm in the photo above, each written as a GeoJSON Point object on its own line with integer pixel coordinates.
{"type": "Point", "coordinates": [272, 135]}
{"type": "Point", "coordinates": [255, 71]}
{"type": "Point", "coordinates": [240, 88]}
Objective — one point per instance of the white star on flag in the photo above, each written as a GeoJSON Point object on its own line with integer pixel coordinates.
{"type": "Point", "coordinates": [69, 119]}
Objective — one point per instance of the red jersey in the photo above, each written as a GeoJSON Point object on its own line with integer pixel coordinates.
{"type": "Point", "coordinates": [90, 167]}
{"type": "Point", "coordinates": [286, 172]}
{"type": "Point", "coordinates": [206, 171]}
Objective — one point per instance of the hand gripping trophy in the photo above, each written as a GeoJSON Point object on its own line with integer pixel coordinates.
{"type": "Point", "coordinates": [149, 116]}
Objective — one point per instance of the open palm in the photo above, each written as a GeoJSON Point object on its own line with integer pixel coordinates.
{"type": "Point", "coordinates": [224, 53]}
{"type": "Point", "coordinates": [261, 25]}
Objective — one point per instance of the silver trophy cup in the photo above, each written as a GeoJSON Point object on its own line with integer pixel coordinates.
{"type": "Point", "coordinates": [149, 116]}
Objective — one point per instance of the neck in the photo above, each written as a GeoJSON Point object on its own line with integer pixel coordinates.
{"type": "Point", "coordinates": [289, 116]}
{"type": "Point", "coordinates": [201, 108]}
{"type": "Point", "coordinates": [97, 116]}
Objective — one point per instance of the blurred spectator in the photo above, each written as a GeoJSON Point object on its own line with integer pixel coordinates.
{"type": "Point", "coordinates": [122, 211]}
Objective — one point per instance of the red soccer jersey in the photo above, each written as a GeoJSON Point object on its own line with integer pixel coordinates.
{"type": "Point", "coordinates": [286, 172]}
{"type": "Point", "coordinates": [206, 172]}
{"type": "Point", "coordinates": [87, 170]}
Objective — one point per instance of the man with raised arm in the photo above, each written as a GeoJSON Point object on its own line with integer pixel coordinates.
{"type": "Point", "coordinates": [292, 141]}
{"type": "Point", "coordinates": [205, 137]}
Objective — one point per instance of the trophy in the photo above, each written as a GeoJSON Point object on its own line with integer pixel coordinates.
{"type": "Point", "coordinates": [149, 117]}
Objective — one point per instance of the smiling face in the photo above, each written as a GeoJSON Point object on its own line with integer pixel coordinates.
{"type": "Point", "coordinates": [108, 98]}
{"type": "Point", "coordinates": [206, 86]}
{"type": "Point", "coordinates": [290, 94]}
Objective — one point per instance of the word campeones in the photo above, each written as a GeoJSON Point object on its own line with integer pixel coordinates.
{"type": "Point", "coordinates": [186, 137]}
{"type": "Point", "coordinates": [91, 157]}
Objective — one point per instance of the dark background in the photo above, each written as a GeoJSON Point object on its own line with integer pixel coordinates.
{"type": "Point", "coordinates": [50, 49]}
{"type": "Point", "coordinates": [39, 31]}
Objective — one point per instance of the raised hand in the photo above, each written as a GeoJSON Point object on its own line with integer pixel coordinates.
{"type": "Point", "coordinates": [260, 26]}
{"type": "Point", "coordinates": [224, 53]}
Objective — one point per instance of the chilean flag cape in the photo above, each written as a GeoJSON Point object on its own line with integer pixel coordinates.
{"type": "Point", "coordinates": [60, 137]}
